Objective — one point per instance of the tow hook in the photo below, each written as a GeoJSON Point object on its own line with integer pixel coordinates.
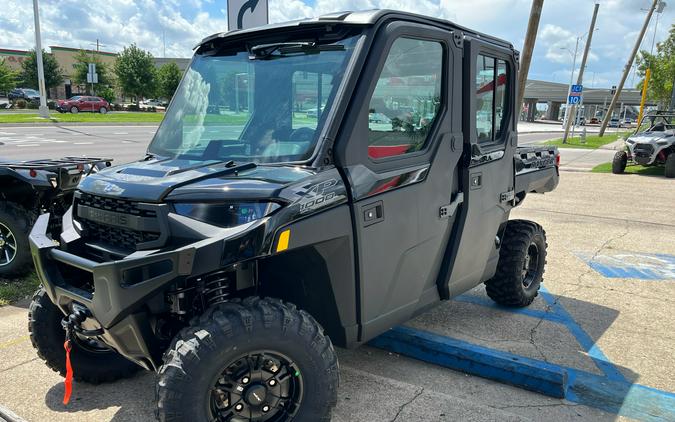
{"type": "Point", "coordinates": [73, 322]}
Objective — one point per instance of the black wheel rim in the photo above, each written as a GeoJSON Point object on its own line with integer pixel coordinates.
{"type": "Point", "coordinates": [7, 246]}
{"type": "Point", "coordinates": [531, 265]}
{"type": "Point", "coordinates": [258, 386]}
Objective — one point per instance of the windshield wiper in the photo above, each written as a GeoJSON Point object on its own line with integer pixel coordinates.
{"type": "Point", "coordinates": [264, 51]}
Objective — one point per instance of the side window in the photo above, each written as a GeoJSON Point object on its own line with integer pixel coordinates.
{"type": "Point", "coordinates": [491, 98]}
{"type": "Point", "coordinates": [310, 94]}
{"type": "Point", "coordinates": [406, 99]}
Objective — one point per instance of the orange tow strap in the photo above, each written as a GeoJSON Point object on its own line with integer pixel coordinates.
{"type": "Point", "coordinates": [68, 382]}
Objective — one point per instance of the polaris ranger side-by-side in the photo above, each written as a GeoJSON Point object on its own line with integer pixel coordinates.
{"type": "Point", "coordinates": [28, 189]}
{"type": "Point", "coordinates": [330, 177]}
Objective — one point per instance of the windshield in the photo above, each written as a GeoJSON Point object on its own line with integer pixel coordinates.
{"type": "Point", "coordinates": [264, 106]}
{"type": "Point", "coordinates": [657, 123]}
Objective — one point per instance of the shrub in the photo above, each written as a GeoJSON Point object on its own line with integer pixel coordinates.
{"type": "Point", "coordinates": [107, 94]}
{"type": "Point", "coordinates": [32, 105]}
{"type": "Point", "coordinates": [51, 105]}
{"type": "Point", "coordinates": [20, 103]}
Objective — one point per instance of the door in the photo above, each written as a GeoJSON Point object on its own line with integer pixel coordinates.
{"type": "Point", "coordinates": [490, 134]}
{"type": "Point", "coordinates": [400, 160]}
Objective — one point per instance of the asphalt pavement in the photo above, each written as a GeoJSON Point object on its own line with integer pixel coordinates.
{"type": "Point", "coordinates": [129, 143]}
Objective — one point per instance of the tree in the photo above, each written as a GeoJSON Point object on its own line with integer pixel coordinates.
{"type": "Point", "coordinates": [81, 68]}
{"type": "Point", "coordinates": [7, 77]}
{"type": "Point", "coordinates": [662, 65]}
{"type": "Point", "coordinates": [168, 78]}
{"type": "Point", "coordinates": [135, 71]}
{"type": "Point", "coordinates": [29, 74]}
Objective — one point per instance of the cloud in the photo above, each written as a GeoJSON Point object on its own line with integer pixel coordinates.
{"type": "Point", "coordinates": [173, 27]}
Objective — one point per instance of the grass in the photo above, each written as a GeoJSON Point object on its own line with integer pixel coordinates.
{"type": "Point", "coordinates": [592, 141]}
{"type": "Point", "coordinates": [17, 289]}
{"type": "Point", "coordinates": [631, 169]}
{"type": "Point", "coordinates": [137, 117]}
{"type": "Point", "coordinates": [56, 117]}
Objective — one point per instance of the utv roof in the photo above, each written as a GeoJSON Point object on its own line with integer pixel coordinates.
{"type": "Point", "coordinates": [358, 18]}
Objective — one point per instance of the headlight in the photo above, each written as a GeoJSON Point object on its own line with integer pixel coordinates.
{"type": "Point", "coordinates": [226, 215]}
{"type": "Point", "coordinates": [661, 143]}
{"type": "Point", "coordinates": [630, 141]}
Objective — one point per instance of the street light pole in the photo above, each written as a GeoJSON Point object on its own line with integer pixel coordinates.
{"type": "Point", "coordinates": [569, 88]}
{"type": "Point", "coordinates": [580, 77]}
{"type": "Point", "coordinates": [44, 110]}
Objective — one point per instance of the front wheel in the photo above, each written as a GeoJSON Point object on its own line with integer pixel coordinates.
{"type": "Point", "coordinates": [670, 165]}
{"type": "Point", "coordinates": [619, 162]}
{"type": "Point", "coordinates": [74, 110]}
{"type": "Point", "coordinates": [258, 360]}
{"type": "Point", "coordinates": [103, 110]}
{"type": "Point", "coordinates": [93, 362]}
{"type": "Point", "coordinates": [522, 258]}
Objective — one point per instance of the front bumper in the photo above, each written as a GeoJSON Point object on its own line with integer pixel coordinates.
{"type": "Point", "coordinates": [124, 289]}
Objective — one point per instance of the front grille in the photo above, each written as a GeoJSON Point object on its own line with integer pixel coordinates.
{"type": "Point", "coordinates": [114, 204]}
{"type": "Point", "coordinates": [644, 149]}
{"type": "Point", "coordinates": [117, 238]}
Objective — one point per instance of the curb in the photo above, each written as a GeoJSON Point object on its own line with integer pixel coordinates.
{"type": "Point", "coordinates": [61, 124]}
{"type": "Point", "coordinates": [7, 415]}
{"type": "Point", "coordinates": [504, 367]}
{"type": "Point", "coordinates": [576, 169]}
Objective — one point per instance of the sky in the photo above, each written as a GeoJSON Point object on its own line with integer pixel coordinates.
{"type": "Point", "coordinates": [171, 27]}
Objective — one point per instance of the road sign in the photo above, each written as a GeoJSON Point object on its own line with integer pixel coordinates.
{"type": "Point", "coordinates": [574, 99]}
{"type": "Point", "coordinates": [243, 14]}
{"type": "Point", "coordinates": [577, 88]}
{"type": "Point", "coordinates": [92, 76]}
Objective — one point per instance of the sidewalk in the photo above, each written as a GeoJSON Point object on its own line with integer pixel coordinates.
{"type": "Point", "coordinates": [573, 159]}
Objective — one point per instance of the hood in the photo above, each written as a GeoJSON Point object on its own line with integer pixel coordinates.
{"type": "Point", "coordinates": [652, 137]}
{"type": "Point", "coordinates": [185, 180]}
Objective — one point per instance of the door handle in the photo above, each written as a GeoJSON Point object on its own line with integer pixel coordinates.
{"type": "Point", "coordinates": [372, 213]}
{"type": "Point", "coordinates": [446, 211]}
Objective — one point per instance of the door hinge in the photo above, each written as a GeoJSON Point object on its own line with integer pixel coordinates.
{"type": "Point", "coordinates": [447, 211]}
{"type": "Point", "coordinates": [507, 196]}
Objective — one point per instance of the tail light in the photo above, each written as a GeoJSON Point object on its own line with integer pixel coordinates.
{"type": "Point", "coordinates": [557, 159]}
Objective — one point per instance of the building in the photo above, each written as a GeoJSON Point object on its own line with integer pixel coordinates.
{"type": "Point", "coordinates": [65, 57]}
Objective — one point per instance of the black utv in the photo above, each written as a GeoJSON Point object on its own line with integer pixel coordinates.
{"type": "Point", "coordinates": [327, 177]}
{"type": "Point", "coordinates": [28, 189]}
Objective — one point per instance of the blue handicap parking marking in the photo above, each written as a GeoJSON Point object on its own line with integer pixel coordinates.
{"type": "Point", "coordinates": [621, 264]}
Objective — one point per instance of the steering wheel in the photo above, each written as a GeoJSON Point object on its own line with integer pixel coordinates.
{"type": "Point", "coordinates": [302, 134]}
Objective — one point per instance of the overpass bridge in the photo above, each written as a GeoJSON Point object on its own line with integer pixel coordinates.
{"type": "Point", "coordinates": [596, 100]}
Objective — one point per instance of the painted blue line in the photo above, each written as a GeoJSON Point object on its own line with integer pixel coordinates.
{"type": "Point", "coordinates": [548, 316]}
{"type": "Point", "coordinates": [616, 396]}
{"type": "Point", "coordinates": [587, 343]}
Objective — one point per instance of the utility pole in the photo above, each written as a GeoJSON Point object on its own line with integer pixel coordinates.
{"type": "Point", "coordinates": [528, 47]}
{"type": "Point", "coordinates": [44, 111]}
{"type": "Point", "coordinates": [626, 69]}
{"type": "Point", "coordinates": [580, 77]}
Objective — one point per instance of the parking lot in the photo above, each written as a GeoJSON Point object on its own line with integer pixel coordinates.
{"type": "Point", "coordinates": [605, 315]}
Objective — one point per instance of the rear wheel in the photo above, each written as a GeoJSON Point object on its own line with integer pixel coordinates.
{"type": "Point", "coordinates": [619, 162]}
{"type": "Point", "coordinates": [93, 362]}
{"type": "Point", "coordinates": [258, 360]}
{"type": "Point", "coordinates": [520, 270]}
{"type": "Point", "coordinates": [670, 165]}
{"type": "Point", "coordinates": [15, 259]}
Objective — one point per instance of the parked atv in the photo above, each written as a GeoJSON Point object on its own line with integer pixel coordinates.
{"type": "Point", "coordinates": [255, 235]}
{"type": "Point", "coordinates": [652, 144]}
{"type": "Point", "coordinates": [30, 188]}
